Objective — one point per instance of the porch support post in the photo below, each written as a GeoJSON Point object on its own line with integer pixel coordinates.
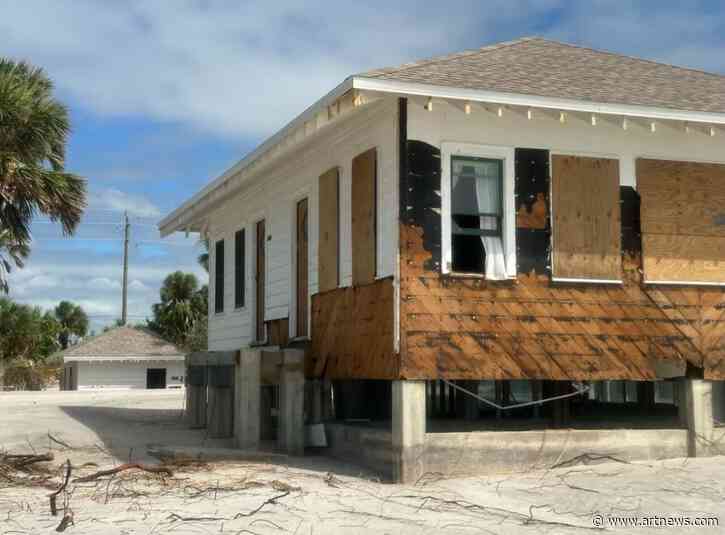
{"type": "Point", "coordinates": [247, 427]}
{"type": "Point", "coordinates": [697, 410]}
{"type": "Point", "coordinates": [291, 432]}
{"type": "Point", "coordinates": [408, 430]}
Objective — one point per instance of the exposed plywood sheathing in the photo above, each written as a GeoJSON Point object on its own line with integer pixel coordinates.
{"type": "Point", "coordinates": [458, 328]}
{"type": "Point", "coordinates": [329, 239]}
{"type": "Point", "coordinates": [533, 328]}
{"type": "Point", "coordinates": [352, 333]}
{"type": "Point", "coordinates": [363, 217]}
{"type": "Point", "coordinates": [278, 332]}
{"type": "Point", "coordinates": [586, 211]}
{"type": "Point", "coordinates": [302, 264]}
{"type": "Point", "coordinates": [683, 220]}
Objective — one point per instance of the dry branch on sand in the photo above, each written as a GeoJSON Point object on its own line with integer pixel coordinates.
{"type": "Point", "coordinates": [128, 466]}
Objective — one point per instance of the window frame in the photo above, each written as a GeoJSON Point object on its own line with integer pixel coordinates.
{"type": "Point", "coordinates": [240, 271]}
{"type": "Point", "coordinates": [506, 155]}
{"type": "Point", "coordinates": [219, 273]}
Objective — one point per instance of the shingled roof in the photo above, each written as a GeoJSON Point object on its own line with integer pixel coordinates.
{"type": "Point", "coordinates": [540, 67]}
{"type": "Point", "coordinates": [123, 342]}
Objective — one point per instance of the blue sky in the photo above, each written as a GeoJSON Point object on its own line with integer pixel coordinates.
{"type": "Point", "coordinates": [165, 95]}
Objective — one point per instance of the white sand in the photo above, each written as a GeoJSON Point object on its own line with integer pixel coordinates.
{"type": "Point", "coordinates": [326, 497]}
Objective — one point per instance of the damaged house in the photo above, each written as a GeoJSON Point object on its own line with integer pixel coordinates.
{"type": "Point", "coordinates": [496, 259]}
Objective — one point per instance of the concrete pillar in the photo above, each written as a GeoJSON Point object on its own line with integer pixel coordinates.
{"type": "Point", "coordinates": [291, 429]}
{"type": "Point", "coordinates": [408, 430]}
{"type": "Point", "coordinates": [315, 394]}
{"type": "Point", "coordinates": [220, 395]}
{"type": "Point", "coordinates": [249, 390]}
{"type": "Point", "coordinates": [537, 393]}
{"type": "Point", "coordinates": [697, 401]}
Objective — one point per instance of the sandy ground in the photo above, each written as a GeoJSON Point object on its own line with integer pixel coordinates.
{"type": "Point", "coordinates": [312, 494]}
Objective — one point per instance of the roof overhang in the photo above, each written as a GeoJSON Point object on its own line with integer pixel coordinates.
{"type": "Point", "coordinates": [124, 358]}
{"type": "Point", "coordinates": [190, 216]}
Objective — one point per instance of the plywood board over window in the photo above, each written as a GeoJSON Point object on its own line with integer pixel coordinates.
{"type": "Point", "coordinates": [586, 218]}
{"type": "Point", "coordinates": [364, 195]}
{"type": "Point", "coordinates": [329, 247]}
{"type": "Point", "coordinates": [683, 221]}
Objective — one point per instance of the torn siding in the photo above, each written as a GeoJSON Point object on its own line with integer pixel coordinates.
{"type": "Point", "coordinates": [531, 328]}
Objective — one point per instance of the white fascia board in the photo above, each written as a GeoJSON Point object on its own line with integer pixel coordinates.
{"type": "Point", "coordinates": [683, 283]}
{"type": "Point", "coordinates": [176, 219]}
{"type": "Point", "coordinates": [182, 216]}
{"type": "Point", "coordinates": [517, 99]}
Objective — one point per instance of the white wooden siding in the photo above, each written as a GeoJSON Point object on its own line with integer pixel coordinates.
{"type": "Point", "coordinates": [577, 136]}
{"type": "Point", "coordinates": [125, 374]}
{"type": "Point", "coordinates": [273, 195]}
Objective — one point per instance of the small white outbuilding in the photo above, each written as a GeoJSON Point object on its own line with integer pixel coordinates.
{"type": "Point", "coordinates": [123, 357]}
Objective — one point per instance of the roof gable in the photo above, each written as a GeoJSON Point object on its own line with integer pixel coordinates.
{"type": "Point", "coordinates": [540, 67]}
{"type": "Point", "coordinates": [124, 341]}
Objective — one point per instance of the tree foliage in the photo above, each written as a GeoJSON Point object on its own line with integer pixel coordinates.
{"type": "Point", "coordinates": [26, 332]}
{"type": "Point", "coordinates": [72, 321]}
{"type": "Point", "coordinates": [181, 315]}
{"type": "Point", "coordinates": [34, 129]}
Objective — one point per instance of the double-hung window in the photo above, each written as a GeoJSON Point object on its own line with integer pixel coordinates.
{"type": "Point", "coordinates": [478, 210]}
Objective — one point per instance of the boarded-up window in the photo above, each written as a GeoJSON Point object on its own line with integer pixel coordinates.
{"type": "Point", "coordinates": [586, 218]}
{"type": "Point", "coordinates": [683, 221]}
{"type": "Point", "coordinates": [363, 217]}
{"type": "Point", "coordinates": [219, 277]}
{"type": "Point", "coordinates": [239, 255]}
{"type": "Point", "coordinates": [329, 247]}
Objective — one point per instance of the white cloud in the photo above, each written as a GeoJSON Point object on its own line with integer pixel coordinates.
{"type": "Point", "coordinates": [120, 201]}
{"type": "Point", "coordinates": [235, 68]}
{"type": "Point", "coordinates": [104, 283]}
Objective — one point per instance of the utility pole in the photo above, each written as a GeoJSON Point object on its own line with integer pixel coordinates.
{"type": "Point", "coordinates": [126, 230]}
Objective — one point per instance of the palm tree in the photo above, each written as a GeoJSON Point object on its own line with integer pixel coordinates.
{"type": "Point", "coordinates": [11, 252]}
{"type": "Point", "coordinates": [203, 258]}
{"type": "Point", "coordinates": [73, 321]}
{"type": "Point", "coordinates": [34, 129]}
{"type": "Point", "coordinates": [182, 305]}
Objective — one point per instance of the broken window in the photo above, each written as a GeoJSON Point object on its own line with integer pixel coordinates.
{"type": "Point", "coordinates": [477, 216]}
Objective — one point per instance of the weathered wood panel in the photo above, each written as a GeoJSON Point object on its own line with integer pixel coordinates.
{"type": "Point", "coordinates": [302, 265]}
{"type": "Point", "coordinates": [586, 212]}
{"type": "Point", "coordinates": [329, 229]}
{"type": "Point", "coordinates": [683, 220]}
{"type": "Point", "coordinates": [364, 194]}
{"type": "Point", "coordinates": [352, 333]}
{"type": "Point", "coordinates": [278, 332]}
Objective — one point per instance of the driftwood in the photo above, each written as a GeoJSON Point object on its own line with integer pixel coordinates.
{"type": "Point", "coordinates": [67, 521]}
{"type": "Point", "coordinates": [53, 497]}
{"type": "Point", "coordinates": [123, 467]}
{"type": "Point", "coordinates": [22, 461]}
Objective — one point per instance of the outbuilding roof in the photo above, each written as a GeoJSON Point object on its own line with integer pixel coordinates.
{"type": "Point", "coordinates": [125, 343]}
{"type": "Point", "coordinates": [541, 67]}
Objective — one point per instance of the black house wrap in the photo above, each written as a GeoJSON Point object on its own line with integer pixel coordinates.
{"type": "Point", "coordinates": [533, 245]}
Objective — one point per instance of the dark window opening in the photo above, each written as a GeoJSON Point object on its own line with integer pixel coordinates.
{"type": "Point", "coordinates": [156, 378]}
{"type": "Point", "coordinates": [476, 211]}
{"type": "Point", "coordinates": [239, 261]}
{"type": "Point", "coordinates": [219, 277]}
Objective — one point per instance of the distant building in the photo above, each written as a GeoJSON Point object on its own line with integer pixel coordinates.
{"type": "Point", "coordinates": [123, 357]}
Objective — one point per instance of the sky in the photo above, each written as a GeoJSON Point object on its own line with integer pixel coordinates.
{"type": "Point", "coordinates": [165, 95]}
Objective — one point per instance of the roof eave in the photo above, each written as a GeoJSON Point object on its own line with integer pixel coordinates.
{"type": "Point", "coordinates": [185, 218]}
{"type": "Point", "coordinates": [171, 223]}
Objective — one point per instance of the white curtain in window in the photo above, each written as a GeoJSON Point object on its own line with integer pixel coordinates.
{"type": "Point", "coordinates": [488, 194]}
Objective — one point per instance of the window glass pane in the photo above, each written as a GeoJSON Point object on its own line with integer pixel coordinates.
{"type": "Point", "coordinates": [476, 186]}
{"type": "Point", "coordinates": [219, 277]}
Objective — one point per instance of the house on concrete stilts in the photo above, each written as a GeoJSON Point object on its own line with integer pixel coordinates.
{"type": "Point", "coordinates": [496, 259]}
{"type": "Point", "coordinates": [123, 357]}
